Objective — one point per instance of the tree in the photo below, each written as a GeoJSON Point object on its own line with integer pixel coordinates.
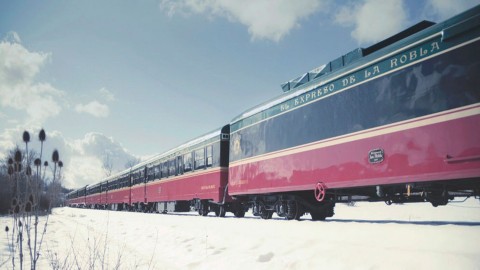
{"type": "Point", "coordinates": [132, 162]}
{"type": "Point", "coordinates": [107, 164]}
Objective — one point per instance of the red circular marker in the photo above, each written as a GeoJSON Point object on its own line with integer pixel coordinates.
{"type": "Point", "coordinates": [320, 191]}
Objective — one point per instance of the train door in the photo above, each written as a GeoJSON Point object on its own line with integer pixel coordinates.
{"type": "Point", "coordinates": [130, 181]}
{"type": "Point", "coordinates": [145, 180]}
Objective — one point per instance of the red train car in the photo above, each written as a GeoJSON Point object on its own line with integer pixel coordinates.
{"type": "Point", "coordinates": [92, 198]}
{"type": "Point", "coordinates": [103, 194]}
{"type": "Point", "coordinates": [398, 121]}
{"type": "Point", "coordinates": [117, 193]}
{"type": "Point", "coordinates": [191, 176]}
{"type": "Point", "coordinates": [76, 198]}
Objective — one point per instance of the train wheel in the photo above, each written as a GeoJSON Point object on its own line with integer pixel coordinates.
{"type": "Point", "coordinates": [266, 214]}
{"type": "Point", "coordinates": [203, 211]}
{"type": "Point", "coordinates": [239, 213]}
{"type": "Point", "coordinates": [294, 210]}
{"type": "Point", "coordinates": [318, 216]}
{"type": "Point", "coordinates": [220, 211]}
{"type": "Point", "coordinates": [324, 211]}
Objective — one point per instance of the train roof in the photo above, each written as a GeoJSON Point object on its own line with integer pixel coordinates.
{"type": "Point", "coordinates": [192, 143]}
{"type": "Point", "coordinates": [206, 138]}
{"type": "Point", "coordinates": [77, 189]}
{"type": "Point", "coordinates": [357, 59]}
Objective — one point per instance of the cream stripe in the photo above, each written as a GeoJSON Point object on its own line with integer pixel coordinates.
{"type": "Point", "coordinates": [457, 113]}
{"type": "Point", "coordinates": [197, 173]}
{"type": "Point", "coordinates": [219, 169]}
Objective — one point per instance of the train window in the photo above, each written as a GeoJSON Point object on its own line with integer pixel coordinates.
{"type": "Point", "coordinates": [150, 173]}
{"type": "Point", "coordinates": [209, 155]}
{"type": "Point", "coordinates": [172, 168]}
{"type": "Point", "coordinates": [158, 171]}
{"type": "Point", "coordinates": [187, 159]}
{"type": "Point", "coordinates": [225, 136]}
{"type": "Point", "coordinates": [179, 165]}
{"type": "Point", "coordinates": [200, 158]}
{"type": "Point", "coordinates": [135, 178]}
{"type": "Point", "coordinates": [165, 169]}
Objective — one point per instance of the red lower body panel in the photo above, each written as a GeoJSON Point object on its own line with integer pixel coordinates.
{"type": "Point", "coordinates": [76, 201]}
{"type": "Point", "coordinates": [119, 196]}
{"type": "Point", "coordinates": [103, 197]}
{"type": "Point", "coordinates": [208, 184]}
{"type": "Point", "coordinates": [92, 199]}
{"type": "Point", "coordinates": [444, 146]}
{"type": "Point", "coordinates": [138, 193]}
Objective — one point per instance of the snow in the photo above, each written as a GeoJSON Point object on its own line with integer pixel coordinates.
{"type": "Point", "coordinates": [365, 236]}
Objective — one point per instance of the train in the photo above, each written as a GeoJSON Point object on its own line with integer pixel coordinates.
{"type": "Point", "coordinates": [398, 122]}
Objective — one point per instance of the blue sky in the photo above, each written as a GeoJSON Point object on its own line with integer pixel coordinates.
{"type": "Point", "coordinates": [131, 79]}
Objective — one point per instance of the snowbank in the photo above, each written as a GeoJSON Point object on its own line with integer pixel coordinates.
{"type": "Point", "coordinates": [366, 236]}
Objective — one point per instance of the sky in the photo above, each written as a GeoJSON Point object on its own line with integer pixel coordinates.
{"type": "Point", "coordinates": [124, 80]}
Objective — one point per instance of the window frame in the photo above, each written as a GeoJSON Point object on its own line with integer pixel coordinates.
{"type": "Point", "coordinates": [199, 158]}
{"type": "Point", "coordinates": [209, 158]}
{"type": "Point", "coordinates": [190, 162]}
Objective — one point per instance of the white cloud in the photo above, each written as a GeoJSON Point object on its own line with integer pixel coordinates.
{"type": "Point", "coordinates": [94, 108]}
{"type": "Point", "coordinates": [444, 9]}
{"type": "Point", "coordinates": [12, 37]}
{"type": "Point", "coordinates": [373, 20]}
{"type": "Point", "coordinates": [82, 158]}
{"type": "Point", "coordinates": [7, 142]}
{"type": "Point", "coordinates": [106, 94]}
{"type": "Point", "coordinates": [264, 19]}
{"type": "Point", "coordinates": [18, 88]}
{"type": "Point", "coordinates": [86, 162]}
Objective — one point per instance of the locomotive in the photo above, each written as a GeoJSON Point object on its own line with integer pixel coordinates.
{"type": "Point", "coordinates": [398, 122]}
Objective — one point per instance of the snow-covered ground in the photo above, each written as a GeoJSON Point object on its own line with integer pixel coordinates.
{"type": "Point", "coordinates": [366, 236]}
